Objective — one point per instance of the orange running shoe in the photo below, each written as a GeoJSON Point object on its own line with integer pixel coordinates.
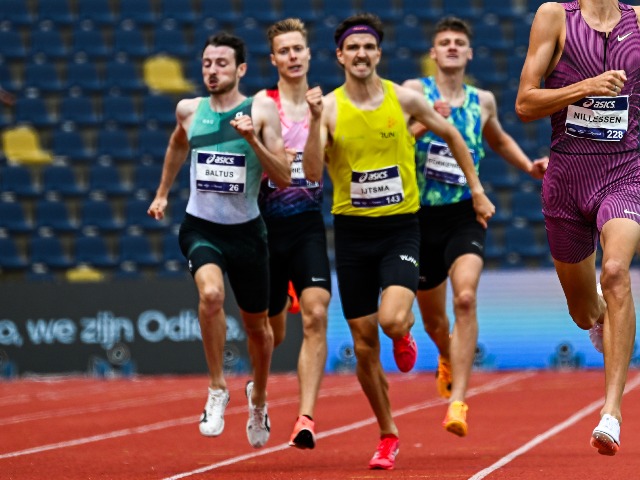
{"type": "Point", "coordinates": [405, 352]}
{"type": "Point", "coordinates": [303, 435]}
{"type": "Point", "coordinates": [443, 377]}
{"type": "Point", "coordinates": [385, 456]}
{"type": "Point", "coordinates": [294, 306]}
{"type": "Point", "coordinates": [456, 419]}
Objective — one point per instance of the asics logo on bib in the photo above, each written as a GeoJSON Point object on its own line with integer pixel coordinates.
{"type": "Point", "coordinates": [219, 159]}
{"type": "Point", "coordinates": [373, 176]}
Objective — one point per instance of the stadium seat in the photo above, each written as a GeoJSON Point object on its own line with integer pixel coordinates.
{"type": "Point", "coordinates": [203, 30]}
{"type": "Point", "coordinates": [492, 37]}
{"type": "Point", "coordinates": [7, 81]}
{"type": "Point", "coordinates": [97, 11]}
{"type": "Point", "coordinates": [57, 12]}
{"type": "Point", "coordinates": [122, 75]}
{"type": "Point", "coordinates": [11, 258]}
{"type": "Point", "coordinates": [146, 177]}
{"type": "Point", "coordinates": [159, 109]}
{"type": "Point", "coordinates": [13, 217]}
{"type": "Point", "coordinates": [385, 9]}
{"type": "Point", "coordinates": [411, 37]}
{"type": "Point", "coordinates": [523, 241]}
{"type": "Point", "coordinates": [496, 172]}
{"type": "Point", "coordinates": [165, 75]}
{"type": "Point", "coordinates": [255, 38]}
{"type": "Point", "coordinates": [140, 12]}
{"type": "Point", "coordinates": [305, 10]}
{"type": "Point", "coordinates": [43, 76]}
{"type": "Point", "coordinates": [493, 248]}
{"type": "Point", "coordinates": [170, 40]}
{"type": "Point", "coordinates": [114, 143]}
{"type": "Point", "coordinates": [79, 110]}
{"type": "Point", "coordinates": [16, 12]}
{"type": "Point", "coordinates": [399, 69]}
{"type": "Point", "coordinates": [55, 215]}
{"type": "Point", "coordinates": [527, 206]}
{"type": "Point", "coordinates": [99, 216]}
{"type": "Point", "coordinates": [129, 40]}
{"type": "Point", "coordinates": [11, 44]}
{"type": "Point", "coordinates": [22, 145]}
{"type": "Point", "coordinates": [135, 215]}
{"type": "Point", "coordinates": [121, 110]}
{"type": "Point", "coordinates": [503, 10]}
{"type": "Point", "coordinates": [61, 180]}
{"type": "Point", "coordinates": [340, 9]}
{"type": "Point", "coordinates": [93, 251]}
{"type": "Point", "coordinates": [49, 251]}
{"type": "Point", "coordinates": [503, 211]}
{"type": "Point", "coordinates": [33, 110]}
{"type": "Point", "coordinates": [106, 179]}
{"type": "Point", "coordinates": [171, 250]}
{"type": "Point", "coordinates": [223, 11]}
{"type": "Point", "coordinates": [177, 208]}
{"type": "Point", "coordinates": [47, 40]}
{"type": "Point", "coordinates": [18, 181]}
{"type": "Point", "coordinates": [68, 143]}
{"type": "Point", "coordinates": [465, 9]}
{"type": "Point", "coordinates": [180, 11]}
{"type": "Point", "coordinates": [152, 143]}
{"type": "Point", "coordinates": [263, 11]}
{"type": "Point", "coordinates": [89, 42]}
{"type": "Point", "coordinates": [137, 249]}
{"type": "Point", "coordinates": [84, 75]}
{"type": "Point", "coordinates": [424, 11]}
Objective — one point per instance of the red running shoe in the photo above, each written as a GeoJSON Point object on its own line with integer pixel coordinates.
{"type": "Point", "coordinates": [385, 456]}
{"type": "Point", "coordinates": [405, 352]}
{"type": "Point", "coordinates": [303, 435]}
{"type": "Point", "coordinates": [294, 307]}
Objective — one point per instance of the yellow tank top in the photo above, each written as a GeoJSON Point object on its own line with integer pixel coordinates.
{"type": "Point", "coordinates": [371, 161]}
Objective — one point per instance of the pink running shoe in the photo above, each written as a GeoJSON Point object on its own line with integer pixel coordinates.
{"type": "Point", "coordinates": [405, 352]}
{"type": "Point", "coordinates": [385, 456]}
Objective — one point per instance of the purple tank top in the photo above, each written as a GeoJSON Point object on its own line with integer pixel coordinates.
{"type": "Point", "coordinates": [598, 125]}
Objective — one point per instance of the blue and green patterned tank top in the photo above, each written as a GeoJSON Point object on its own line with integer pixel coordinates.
{"type": "Point", "coordinates": [440, 179]}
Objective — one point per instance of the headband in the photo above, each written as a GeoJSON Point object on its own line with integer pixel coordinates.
{"type": "Point", "coordinates": [357, 29]}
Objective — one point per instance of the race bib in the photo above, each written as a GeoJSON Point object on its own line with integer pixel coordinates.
{"type": "Point", "coordinates": [297, 175]}
{"type": "Point", "coordinates": [376, 188]}
{"type": "Point", "coordinates": [220, 172]}
{"type": "Point", "coordinates": [604, 119]}
{"type": "Point", "coordinates": [442, 166]}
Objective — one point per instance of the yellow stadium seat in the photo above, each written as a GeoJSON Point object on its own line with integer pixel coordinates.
{"type": "Point", "coordinates": [22, 145]}
{"type": "Point", "coordinates": [164, 74]}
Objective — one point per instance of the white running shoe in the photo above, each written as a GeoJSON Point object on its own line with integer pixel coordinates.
{"type": "Point", "coordinates": [258, 426]}
{"type": "Point", "coordinates": [596, 332]}
{"type": "Point", "coordinates": [212, 420]}
{"type": "Point", "coordinates": [606, 436]}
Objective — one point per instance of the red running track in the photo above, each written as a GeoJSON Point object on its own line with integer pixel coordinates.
{"type": "Point", "coordinates": [522, 425]}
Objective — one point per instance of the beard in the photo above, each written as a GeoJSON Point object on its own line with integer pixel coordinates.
{"type": "Point", "coordinates": [221, 88]}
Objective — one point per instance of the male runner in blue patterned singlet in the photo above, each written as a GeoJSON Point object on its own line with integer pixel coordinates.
{"type": "Point", "coordinates": [588, 54]}
{"type": "Point", "coordinates": [230, 140]}
{"type": "Point", "coordinates": [295, 228]}
{"type": "Point", "coordinates": [452, 240]}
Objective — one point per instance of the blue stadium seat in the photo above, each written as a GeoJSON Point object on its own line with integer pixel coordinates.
{"type": "Point", "coordinates": [223, 11]}
{"type": "Point", "coordinates": [11, 258]}
{"type": "Point", "coordinates": [122, 75]}
{"type": "Point", "coordinates": [18, 180]}
{"type": "Point", "coordinates": [130, 40]}
{"type": "Point", "coordinates": [68, 143]}
{"type": "Point", "coordinates": [425, 11]}
{"type": "Point", "coordinates": [503, 211]}
{"type": "Point", "coordinates": [263, 11]}
{"type": "Point", "coordinates": [527, 206]}
{"type": "Point", "coordinates": [305, 10]}
{"type": "Point", "coordinates": [203, 30]}
{"type": "Point", "coordinates": [140, 12]}
{"type": "Point", "coordinates": [493, 248]}
{"type": "Point", "coordinates": [43, 76]}
{"type": "Point", "coordinates": [54, 215]}
{"type": "Point", "coordinates": [160, 109]}
{"type": "Point", "coordinates": [496, 172]}
{"type": "Point", "coordinates": [465, 9]}
{"type": "Point", "coordinates": [183, 180]}
{"type": "Point", "coordinates": [61, 180]}
{"type": "Point", "coordinates": [399, 69]}
{"type": "Point", "coordinates": [89, 41]}
{"type": "Point", "coordinates": [152, 143]}
{"type": "Point", "coordinates": [98, 11]}
{"type": "Point", "coordinates": [120, 109]}
{"type": "Point", "coordinates": [106, 179]}
{"type": "Point", "coordinates": [180, 11]}
{"type": "Point", "coordinates": [171, 40]}
{"type": "Point", "coordinates": [523, 241]}
{"type": "Point", "coordinates": [16, 12]}
{"type": "Point", "coordinates": [11, 44]}
{"type": "Point", "coordinates": [485, 70]}
{"type": "Point", "coordinates": [84, 75]}
{"type": "Point", "coordinates": [503, 10]}
{"type": "Point", "coordinates": [255, 38]}
{"type": "Point", "coordinates": [79, 110]}
{"type": "Point", "coordinates": [385, 9]}
{"type": "Point", "coordinates": [47, 40]}
{"type": "Point", "coordinates": [13, 218]}
{"type": "Point", "coordinates": [411, 37]}
{"type": "Point", "coordinates": [93, 251]}
{"type": "Point", "coordinates": [171, 249]}
{"type": "Point", "coordinates": [137, 249]}
{"type": "Point", "coordinates": [147, 177]}
{"type": "Point", "coordinates": [49, 251]}
{"type": "Point", "coordinates": [115, 144]}
{"type": "Point", "coordinates": [7, 81]}
{"type": "Point", "coordinates": [99, 216]}
{"type": "Point", "coordinates": [340, 9]}
{"type": "Point", "coordinates": [135, 215]}
{"type": "Point", "coordinates": [491, 36]}
{"type": "Point", "coordinates": [56, 11]}
{"type": "Point", "coordinates": [34, 111]}
{"type": "Point", "coordinates": [177, 209]}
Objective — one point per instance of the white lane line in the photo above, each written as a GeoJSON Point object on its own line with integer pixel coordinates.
{"type": "Point", "coordinates": [489, 386]}
{"type": "Point", "coordinates": [549, 433]}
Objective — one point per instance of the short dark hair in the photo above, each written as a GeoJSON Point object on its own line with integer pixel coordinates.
{"type": "Point", "coordinates": [453, 24]}
{"type": "Point", "coordinates": [368, 19]}
{"type": "Point", "coordinates": [225, 39]}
